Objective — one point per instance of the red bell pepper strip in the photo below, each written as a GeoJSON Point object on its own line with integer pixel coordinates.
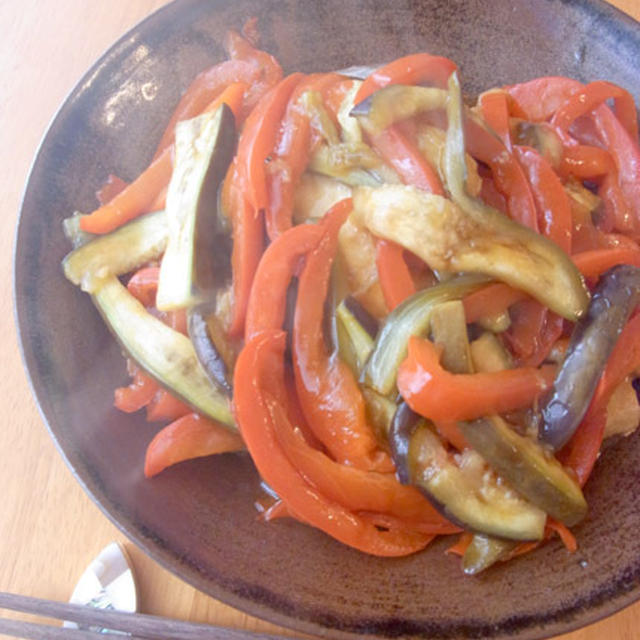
{"type": "Point", "coordinates": [259, 414]}
{"type": "Point", "coordinates": [581, 452]}
{"type": "Point", "coordinates": [191, 436]}
{"type": "Point", "coordinates": [285, 170]}
{"type": "Point", "coordinates": [232, 96]}
{"type": "Point", "coordinates": [403, 155]}
{"type": "Point", "coordinates": [267, 70]}
{"type": "Point", "coordinates": [591, 96]}
{"type": "Point", "coordinates": [165, 406]}
{"type": "Point", "coordinates": [438, 394]}
{"type": "Point", "coordinates": [393, 273]}
{"type": "Point", "coordinates": [595, 262]}
{"type": "Point", "coordinates": [552, 201]}
{"type": "Point", "coordinates": [419, 68]}
{"type": "Point", "coordinates": [626, 156]}
{"type": "Point", "coordinates": [507, 172]}
{"type": "Point", "coordinates": [329, 394]}
{"type": "Point", "coordinates": [259, 136]}
{"type": "Point", "coordinates": [533, 332]}
{"type": "Point", "coordinates": [143, 285]}
{"type": "Point", "coordinates": [537, 100]}
{"type": "Point", "coordinates": [490, 195]}
{"type": "Point", "coordinates": [615, 213]}
{"type": "Point", "coordinates": [459, 548]}
{"type": "Point", "coordinates": [267, 303]}
{"type": "Point", "coordinates": [254, 68]}
{"type": "Point", "coordinates": [160, 201]}
{"type": "Point", "coordinates": [490, 301]}
{"type": "Point", "coordinates": [356, 489]}
{"type": "Point", "coordinates": [290, 155]}
{"type": "Point", "coordinates": [110, 189]}
{"type": "Point", "coordinates": [534, 329]}
{"type": "Point", "coordinates": [205, 87]}
{"type": "Point", "coordinates": [134, 199]}
{"type": "Point", "coordinates": [138, 394]}
{"type": "Point", "coordinates": [248, 244]}
{"type": "Point", "coordinates": [494, 106]}
{"type": "Point", "coordinates": [568, 539]}
{"type": "Point", "coordinates": [585, 162]}
{"type": "Point", "coordinates": [399, 151]}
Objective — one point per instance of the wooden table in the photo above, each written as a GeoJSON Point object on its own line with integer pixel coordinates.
{"type": "Point", "coordinates": [49, 528]}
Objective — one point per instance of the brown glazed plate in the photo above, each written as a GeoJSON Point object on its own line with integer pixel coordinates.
{"type": "Point", "coordinates": [198, 519]}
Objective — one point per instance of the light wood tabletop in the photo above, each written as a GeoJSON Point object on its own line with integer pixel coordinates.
{"type": "Point", "coordinates": [49, 528]}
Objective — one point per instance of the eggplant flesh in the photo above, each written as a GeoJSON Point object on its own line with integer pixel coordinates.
{"type": "Point", "coordinates": [591, 343]}
{"type": "Point", "coordinates": [531, 470]}
{"type": "Point", "coordinates": [397, 102]}
{"type": "Point", "coordinates": [449, 238]}
{"type": "Point", "coordinates": [163, 353]}
{"type": "Point", "coordinates": [498, 245]}
{"type": "Point", "coordinates": [116, 253]}
{"type": "Point", "coordinates": [190, 272]}
{"type": "Point", "coordinates": [484, 551]}
{"type": "Point", "coordinates": [464, 490]}
{"type": "Point", "coordinates": [412, 317]}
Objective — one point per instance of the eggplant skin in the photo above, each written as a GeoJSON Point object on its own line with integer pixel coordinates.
{"type": "Point", "coordinates": [163, 353]}
{"type": "Point", "coordinates": [404, 423]}
{"type": "Point", "coordinates": [206, 350]}
{"type": "Point", "coordinates": [592, 341]}
{"type": "Point", "coordinates": [474, 501]}
{"type": "Point", "coordinates": [529, 469]}
{"type": "Point", "coordinates": [451, 239]}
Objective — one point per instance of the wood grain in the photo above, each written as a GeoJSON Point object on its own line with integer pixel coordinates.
{"type": "Point", "coordinates": [49, 528]}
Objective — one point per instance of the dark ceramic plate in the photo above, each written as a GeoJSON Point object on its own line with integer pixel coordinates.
{"type": "Point", "coordinates": [198, 519]}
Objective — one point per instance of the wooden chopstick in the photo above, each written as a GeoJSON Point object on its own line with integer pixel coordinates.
{"type": "Point", "coordinates": [36, 631]}
{"type": "Point", "coordinates": [141, 626]}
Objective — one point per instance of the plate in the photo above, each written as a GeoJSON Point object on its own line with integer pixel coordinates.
{"type": "Point", "coordinates": [198, 518]}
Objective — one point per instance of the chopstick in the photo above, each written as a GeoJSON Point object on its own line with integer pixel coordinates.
{"type": "Point", "coordinates": [34, 631]}
{"type": "Point", "coordinates": [141, 626]}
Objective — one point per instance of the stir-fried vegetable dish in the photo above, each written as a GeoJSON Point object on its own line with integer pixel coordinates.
{"type": "Point", "coordinates": [415, 310]}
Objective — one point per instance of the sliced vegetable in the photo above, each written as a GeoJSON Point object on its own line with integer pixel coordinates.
{"type": "Point", "coordinates": [165, 354]}
{"type": "Point", "coordinates": [437, 394]}
{"type": "Point", "coordinates": [484, 551]}
{"type": "Point", "coordinates": [204, 148]}
{"type": "Point", "coordinates": [329, 395]}
{"type": "Point", "coordinates": [581, 452]}
{"type": "Point", "coordinates": [543, 269]}
{"type": "Point", "coordinates": [418, 68]}
{"type": "Point", "coordinates": [72, 231]}
{"type": "Point", "coordinates": [259, 412]}
{"type": "Point", "coordinates": [449, 239]}
{"type": "Point", "coordinates": [409, 319]}
{"type": "Point", "coordinates": [405, 158]}
{"type": "Point", "coordinates": [465, 492]}
{"type": "Point", "coordinates": [259, 136]}
{"type": "Point", "coordinates": [189, 437]}
{"type": "Point", "coordinates": [134, 199]}
{"type": "Point", "coordinates": [393, 273]}
{"type": "Point", "coordinates": [355, 343]}
{"type": "Point", "coordinates": [530, 470]}
{"type": "Point", "coordinates": [208, 352]}
{"type": "Point", "coordinates": [395, 103]}
{"type": "Point", "coordinates": [117, 253]}
{"type": "Point", "coordinates": [489, 354]}
{"type": "Point", "coordinates": [267, 304]}
{"type": "Point", "coordinates": [592, 341]}
{"type": "Point", "coordinates": [449, 333]}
